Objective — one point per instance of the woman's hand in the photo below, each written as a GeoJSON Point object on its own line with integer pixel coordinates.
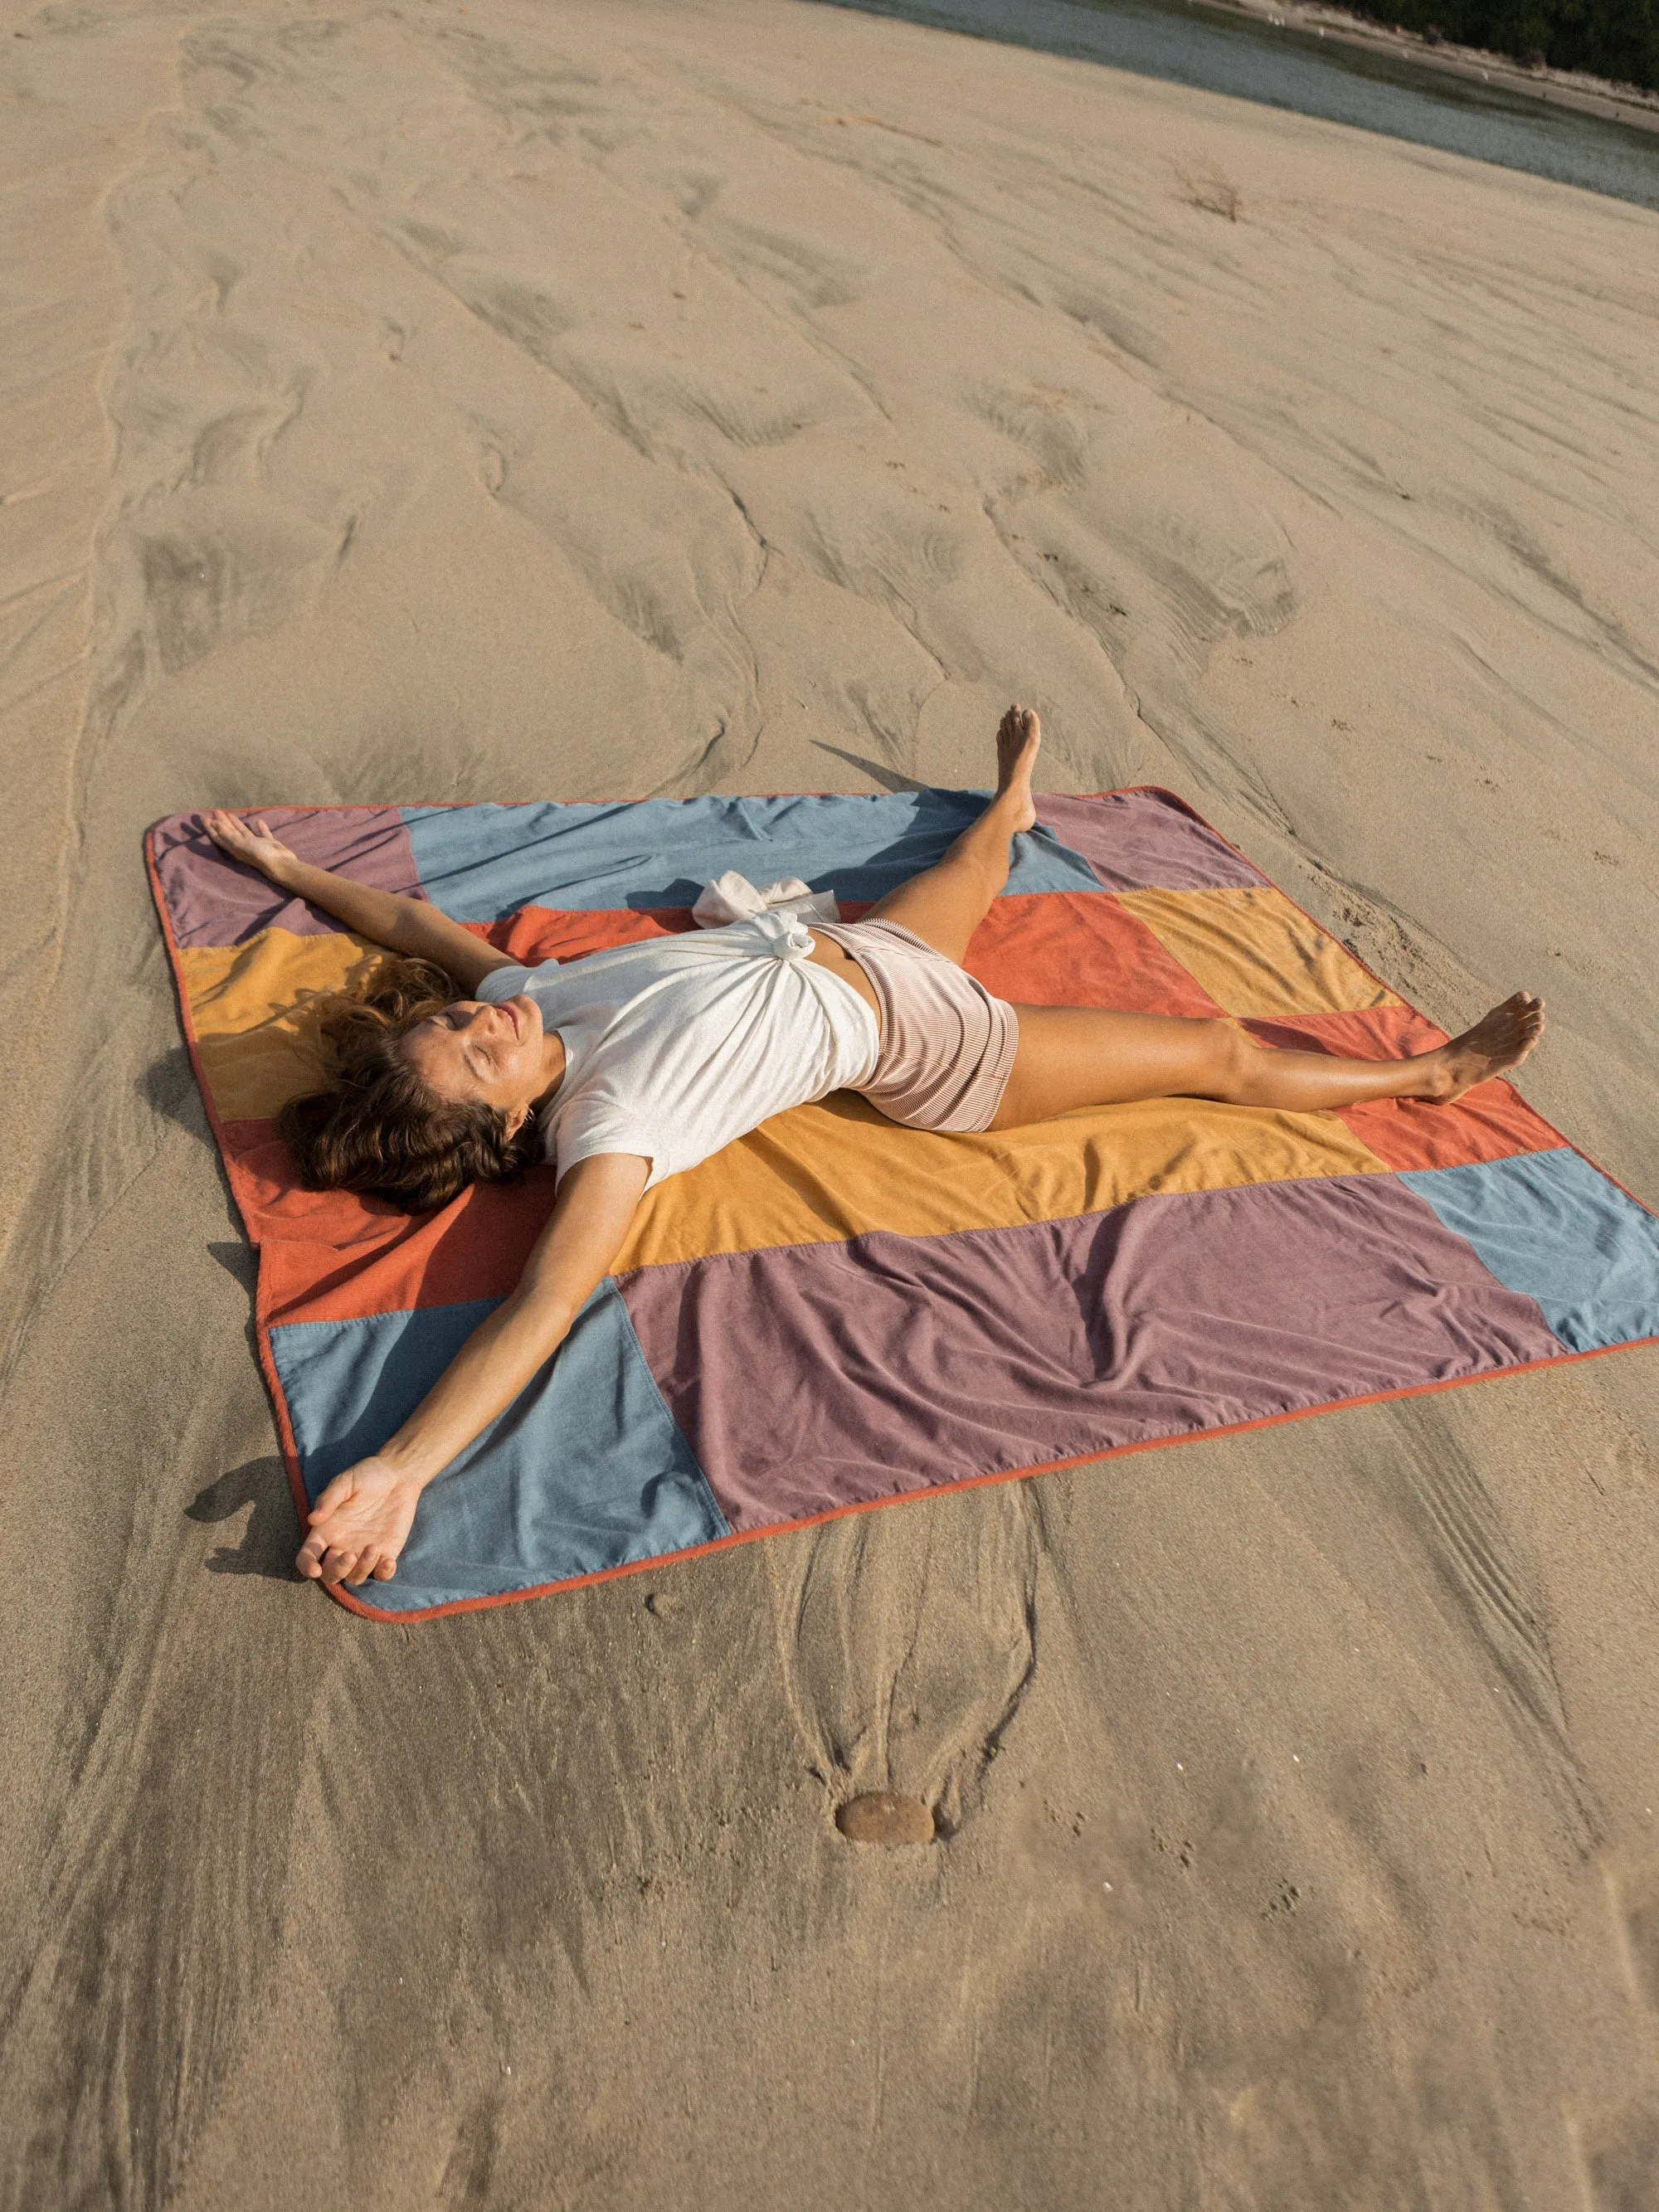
{"type": "Point", "coordinates": [253, 846]}
{"type": "Point", "coordinates": [359, 1525]}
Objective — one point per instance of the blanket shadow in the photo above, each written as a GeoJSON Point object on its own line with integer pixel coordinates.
{"type": "Point", "coordinates": [239, 1261]}
{"type": "Point", "coordinates": [271, 1535]}
{"type": "Point", "coordinates": [170, 1088]}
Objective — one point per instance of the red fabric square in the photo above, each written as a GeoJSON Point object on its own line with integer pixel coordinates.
{"type": "Point", "coordinates": [1491, 1122]}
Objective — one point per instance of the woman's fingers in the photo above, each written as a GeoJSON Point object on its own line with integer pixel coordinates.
{"type": "Point", "coordinates": [243, 839]}
{"type": "Point", "coordinates": [356, 1528]}
{"type": "Point", "coordinates": [314, 1552]}
{"type": "Point", "coordinates": [230, 835]}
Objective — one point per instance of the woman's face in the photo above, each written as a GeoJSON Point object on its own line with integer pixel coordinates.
{"type": "Point", "coordinates": [495, 1054]}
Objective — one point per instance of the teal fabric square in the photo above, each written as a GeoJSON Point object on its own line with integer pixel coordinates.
{"type": "Point", "coordinates": [479, 863]}
{"type": "Point", "coordinates": [586, 1471]}
{"type": "Point", "coordinates": [1550, 1225]}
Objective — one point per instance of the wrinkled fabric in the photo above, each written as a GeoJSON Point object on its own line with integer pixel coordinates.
{"type": "Point", "coordinates": [830, 1310]}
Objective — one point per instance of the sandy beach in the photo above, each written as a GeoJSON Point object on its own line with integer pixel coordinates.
{"type": "Point", "coordinates": [511, 402]}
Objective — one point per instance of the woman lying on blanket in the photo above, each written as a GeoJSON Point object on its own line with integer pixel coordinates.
{"type": "Point", "coordinates": [630, 1065]}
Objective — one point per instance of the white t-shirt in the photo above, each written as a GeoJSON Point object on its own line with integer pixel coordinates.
{"type": "Point", "coordinates": [675, 1046]}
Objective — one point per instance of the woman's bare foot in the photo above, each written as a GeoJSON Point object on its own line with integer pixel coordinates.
{"type": "Point", "coordinates": [1499, 1040]}
{"type": "Point", "coordinates": [1019, 735]}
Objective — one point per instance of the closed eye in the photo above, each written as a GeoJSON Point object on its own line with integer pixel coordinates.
{"type": "Point", "coordinates": [476, 1063]}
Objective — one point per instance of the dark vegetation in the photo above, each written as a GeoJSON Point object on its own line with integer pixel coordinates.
{"type": "Point", "coordinates": [1616, 39]}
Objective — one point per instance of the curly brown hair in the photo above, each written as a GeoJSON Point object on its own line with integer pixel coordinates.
{"type": "Point", "coordinates": [378, 1128]}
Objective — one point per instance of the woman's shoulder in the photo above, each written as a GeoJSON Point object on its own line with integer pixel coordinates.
{"type": "Point", "coordinates": [503, 983]}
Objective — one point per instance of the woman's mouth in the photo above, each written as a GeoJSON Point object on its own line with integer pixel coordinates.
{"type": "Point", "coordinates": [514, 1017]}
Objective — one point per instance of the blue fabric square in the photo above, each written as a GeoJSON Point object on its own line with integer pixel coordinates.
{"type": "Point", "coordinates": [478, 863]}
{"type": "Point", "coordinates": [1554, 1227]}
{"type": "Point", "coordinates": [586, 1470]}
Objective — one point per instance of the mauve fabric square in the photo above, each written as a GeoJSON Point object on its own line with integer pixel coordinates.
{"type": "Point", "coordinates": [212, 900]}
{"type": "Point", "coordinates": [1143, 840]}
{"type": "Point", "coordinates": [809, 1377]}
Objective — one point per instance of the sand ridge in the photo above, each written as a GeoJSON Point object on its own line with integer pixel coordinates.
{"type": "Point", "coordinates": [491, 403]}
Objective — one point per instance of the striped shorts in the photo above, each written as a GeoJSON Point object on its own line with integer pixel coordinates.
{"type": "Point", "coordinates": [947, 1046]}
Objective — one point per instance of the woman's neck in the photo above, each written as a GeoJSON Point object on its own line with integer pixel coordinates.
{"type": "Point", "coordinates": [552, 1070]}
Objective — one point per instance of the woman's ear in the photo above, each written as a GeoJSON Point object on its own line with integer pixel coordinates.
{"type": "Point", "coordinates": [516, 1118]}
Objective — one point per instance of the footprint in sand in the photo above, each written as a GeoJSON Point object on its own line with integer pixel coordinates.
{"type": "Point", "coordinates": [908, 1643]}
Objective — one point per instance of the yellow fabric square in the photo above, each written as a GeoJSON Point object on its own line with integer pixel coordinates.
{"type": "Point", "coordinates": [1256, 953]}
{"type": "Point", "coordinates": [818, 1174]}
{"type": "Point", "coordinates": [247, 1004]}
{"type": "Point", "coordinates": [821, 1173]}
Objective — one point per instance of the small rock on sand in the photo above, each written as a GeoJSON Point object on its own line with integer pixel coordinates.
{"type": "Point", "coordinates": [885, 1816]}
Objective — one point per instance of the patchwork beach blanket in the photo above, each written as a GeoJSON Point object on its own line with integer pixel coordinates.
{"type": "Point", "coordinates": [837, 1312]}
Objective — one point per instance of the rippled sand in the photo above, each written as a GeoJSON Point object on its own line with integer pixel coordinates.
{"type": "Point", "coordinates": [517, 401]}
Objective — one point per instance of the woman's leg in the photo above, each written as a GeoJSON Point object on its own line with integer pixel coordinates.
{"type": "Point", "coordinates": [1072, 1056]}
{"type": "Point", "coordinates": [944, 905]}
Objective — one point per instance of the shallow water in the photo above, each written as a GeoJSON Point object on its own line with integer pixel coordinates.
{"type": "Point", "coordinates": [1297, 70]}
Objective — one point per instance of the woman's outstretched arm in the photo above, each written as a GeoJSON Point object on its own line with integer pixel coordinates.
{"type": "Point", "coordinates": [361, 1520]}
{"type": "Point", "coordinates": [413, 926]}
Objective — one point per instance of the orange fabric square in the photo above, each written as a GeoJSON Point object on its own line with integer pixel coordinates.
{"type": "Point", "coordinates": [335, 1257]}
{"type": "Point", "coordinates": [536, 933]}
{"type": "Point", "coordinates": [1492, 1122]}
{"type": "Point", "coordinates": [1075, 949]}
{"type": "Point", "coordinates": [1370, 1033]}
